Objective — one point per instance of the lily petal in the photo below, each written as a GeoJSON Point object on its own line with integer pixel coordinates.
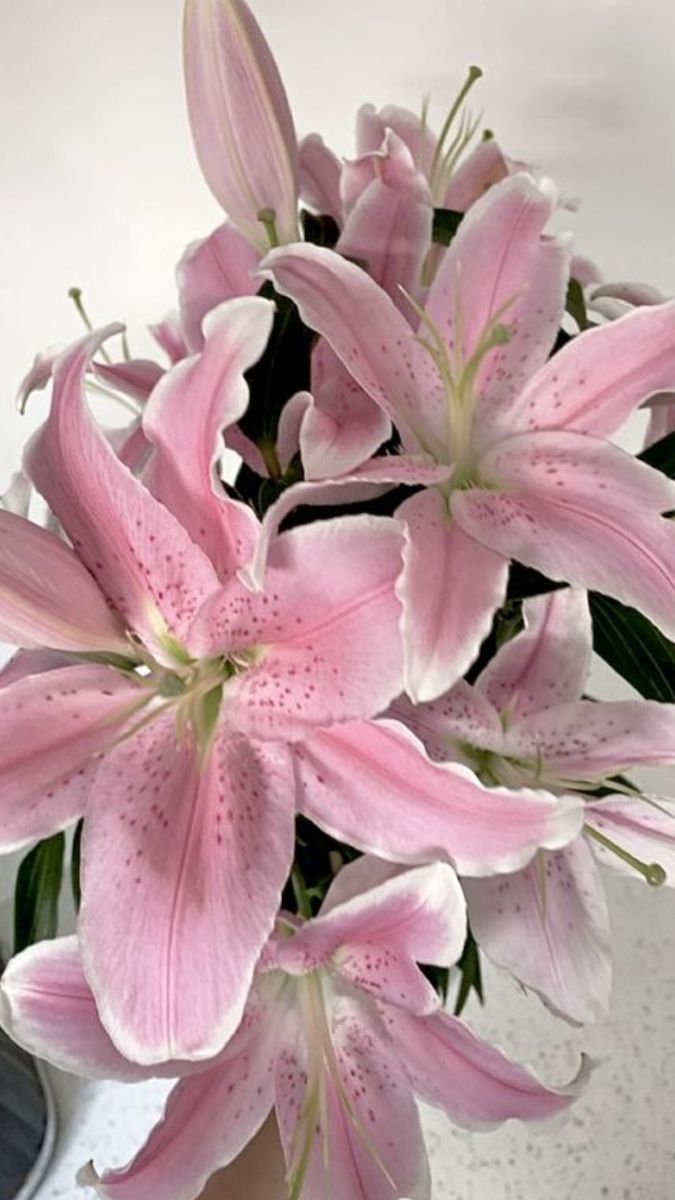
{"type": "Point", "coordinates": [209, 1119]}
{"type": "Point", "coordinates": [195, 858]}
{"type": "Point", "coordinates": [39, 576]}
{"type": "Point", "coordinates": [580, 510]}
{"type": "Point", "coordinates": [369, 335]}
{"type": "Point", "coordinates": [185, 418]}
{"type": "Point", "coordinates": [642, 826]}
{"type": "Point", "coordinates": [54, 728]}
{"type": "Point", "coordinates": [320, 172]}
{"type": "Point", "coordinates": [136, 550]}
{"type": "Point", "coordinates": [343, 427]}
{"type": "Point", "coordinates": [326, 629]}
{"type": "Point", "coordinates": [476, 1085]}
{"type": "Point", "coordinates": [213, 269]}
{"type": "Point", "coordinates": [450, 589]}
{"type": "Point", "coordinates": [595, 382]}
{"type": "Point", "coordinates": [480, 170]}
{"type": "Point", "coordinates": [548, 926]}
{"type": "Point", "coordinates": [370, 783]}
{"type": "Point", "coordinates": [463, 717]}
{"type": "Point", "coordinates": [548, 663]}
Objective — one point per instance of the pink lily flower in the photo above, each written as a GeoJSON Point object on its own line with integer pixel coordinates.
{"type": "Point", "coordinates": [181, 742]}
{"type": "Point", "coordinates": [524, 722]}
{"type": "Point", "coordinates": [342, 1031]}
{"type": "Point", "coordinates": [196, 815]}
{"type": "Point", "coordinates": [529, 473]}
{"type": "Point", "coordinates": [241, 121]}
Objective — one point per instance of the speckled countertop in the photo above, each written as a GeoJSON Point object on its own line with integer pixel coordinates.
{"type": "Point", "coordinates": [618, 1142]}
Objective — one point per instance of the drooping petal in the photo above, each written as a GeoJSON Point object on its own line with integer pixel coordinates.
{"type": "Point", "coordinates": [46, 1005]}
{"type": "Point", "coordinates": [213, 269]}
{"type": "Point", "coordinates": [369, 1143]}
{"type": "Point", "coordinates": [141, 557]}
{"type": "Point", "coordinates": [374, 939]}
{"type": "Point", "coordinates": [371, 128]}
{"type": "Point", "coordinates": [371, 784]}
{"type": "Point", "coordinates": [596, 381]}
{"type": "Point", "coordinates": [241, 121]}
{"type": "Point", "coordinates": [548, 663]}
{"type": "Point", "coordinates": [368, 334]}
{"type": "Point", "coordinates": [447, 727]}
{"type": "Point", "coordinates": [135, 379]}
{"type": "Point", "coordinates": [323, 637]}
{"type": "Point", "coordinates": [388, 229]}
{"type": "Point", "coordinates": [645, 827]}
{"type": "Point", "coordinates": [168, 333]}
{"type": "Point", "coordinates": [476, 1085]}
{"type": "Point", "coordinates": [580, 510]}
{"type": "Point", "coordinates": [499, 268]}
{"type": "Point", "coordinates": [38, 376]}
{"type": "Point", "coordinates": [548, 926]}
{"type": "Point", "coordinates": [450, 588]}
{"type": "Point", "coordinates": [183, 868]}
{"type": "Point", "coordinates": [343, 427]}
{"type": "Point", "coordinates": [185, 418]}
{"type": "Point", "coordinates": [585, 740]}
{"type": "Point", "coordinates": [39, 578]}
{"type": "Point", "coordinates": [54, 727]}
{"type": "Point", "coordinates": [480, 170]}
{"type": "Point", "coordinates": [32, 662]}
{"type": "Point", "coordinates": [320, 171]}
{"type": "Point", "coordinates": [209, 1119]}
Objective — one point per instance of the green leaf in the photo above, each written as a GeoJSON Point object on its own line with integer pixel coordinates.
{"type": "Point", "coordinates": [472, 979]}
{"type": "Point", "coordinates": [445, 226]}
{"type": "Point", "coordinates": [661, 455]}
{"type": "Point", "coordinates": [283, 370]}
{"type": "Point", "coordinates": [575, 304]}
{"type": "Point", "coordinates": [75, 865]}
{"type": "Point", "coordinates": [36, 897]}
{"type": "Point", "coordinates": [525, 582]}
{"type": "Point", "coordinates": [634, 648]}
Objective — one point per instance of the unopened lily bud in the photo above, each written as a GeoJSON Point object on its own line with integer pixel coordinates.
{"type": "Point", "coordinates": [241, 121]}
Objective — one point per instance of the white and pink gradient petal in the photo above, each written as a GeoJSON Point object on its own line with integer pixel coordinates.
{"type": "Point", "coordinates": [595, 382]}
{"type": "Point", "coordinates": [39, 576]}
{"type": "Point", "coordinates": [548, 662]}
{"type": "Point", "coordinates": [477, 1086]}
{"type": "Point", "coordinates": [195, 402]}
{"type": "Point", "coordinates": [55, 726]}
{"type": "Point", "coordinates": [485, 166]}
{"type": "Point", "coordinates": [644, 826]}
{"type": "Point", "coordinates": [370, 783]}
{"type": "Point", "coordinates": [213, 269]}
{"type": "Point", "coordinates": [323, 636]}
{"type": "Point", "coordinates": [343, 426]}
{"type": "Point", "coordinates": [450, 588]}
{"type": "Point", "coordinates": [139, 554]}
{"type": "Point", "coordinates": [184, 858]}
{"type": "Point", "coordinates": [548, 925]}
{"type": "Point", "coordinates": [580, 510]}
{"type": "Point", "coordinates": [320, 171]}
{"type": "Point", "coordinates": [208, 1121]}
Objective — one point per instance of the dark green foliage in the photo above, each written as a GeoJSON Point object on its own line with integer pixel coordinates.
{"type": "Point", "coordinates": [661, 455]}
{"type": "Point", "coordinates": [634, 648]}
{"type": "Point", "coordinates": [471, 975]}
{"type": "Point", "coordinates": [445, 226]}
{"type": "Point", "coordinates": [36, 897]}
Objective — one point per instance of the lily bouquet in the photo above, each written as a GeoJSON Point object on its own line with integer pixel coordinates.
{"type": "Point", "coordinates": [320, 725]}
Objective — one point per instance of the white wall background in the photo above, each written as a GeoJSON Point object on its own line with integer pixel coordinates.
{"type": "Point", "coordinates": [100, 189]}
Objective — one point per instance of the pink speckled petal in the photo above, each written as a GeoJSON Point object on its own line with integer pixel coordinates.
{"type": "Point", "coordinates": [326, 624]}
{"type": "Point", "coordinates": [371, 784]}
{"type": "Point", "coordinates": [208, 1121]}
{"type": "Point", "coordinates": [463, 717]}
{"type": "Point", "coordinates": [581, 510]}
{"type": "Point", "coordinates": [375, 938]}
{"type": "Point", "coordinates": [184, 420]}
{"type": "Point", "coordinates": [182, 857]}
{"type": "Point", "coordinates": [548, 926]}
{"type": "Point", "coordinates": [596, 381]}
{"type": "Point", "coordinates": [343, 427]}
{"type": "Point", "coordinates": [498, 258]}
{"type": "Point", "coordinates": [368, 334]}
{"type": "Point", "coordinates": [213, 269]}
{"type": "Point", "coordinates": [142, 558]}
{"type": "Point", "coordinates": [370, 1146]}
{"type": "Point", "coordinates": [546, 664]}
{"type": "Point", "coordinates": [588, 740]}
{"type": "Point", "coordinates": [39, 576]}
{"type": "Point", "coordinates": [54, 727]}
{"type": "Point", "coordinates": [477, 1086]}
{"type": "Point", "coordinates": [450, 588]}
{"type": "Point", "coordinates": [645, 827]}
